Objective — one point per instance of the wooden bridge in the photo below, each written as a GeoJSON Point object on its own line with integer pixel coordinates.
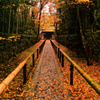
{"type": "Point", "coordinates": [48, 82]}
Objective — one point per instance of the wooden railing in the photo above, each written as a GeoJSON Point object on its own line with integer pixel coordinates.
{"type": "Point", "coordinates": [11, 76]}
{"type": "Point", "coordinates": [61, 54]}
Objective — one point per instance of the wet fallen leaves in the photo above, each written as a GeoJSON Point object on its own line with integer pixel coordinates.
{"type": "Point", "coordinates": [16, 90]}
{"type": "Point", "coordinates": [49, 83]}
{"type": "Point", "coordinates": [81, 90]}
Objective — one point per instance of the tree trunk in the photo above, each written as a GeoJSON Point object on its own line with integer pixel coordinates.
{"type": "Point", "coordinates": [13, 22]}
{"type": "Point", "coordinates": [22, 21]}
{"type": "Point", "coordinates": [85, 22]}
{"type": "Point", "coordinates": [9, 22]}
{"type": "Point", "coordinates": [17, 24]}
{"type": "Point", "coordinates": [39, 21]}
{"type": "Point", "coordinates": [94, 39]}
{"type": "Point", "coordinates": [41, 7]}
{"type": "Point", "coordinates": [3, 22]}
{"type": "Point", "coordinates": [83, 39]}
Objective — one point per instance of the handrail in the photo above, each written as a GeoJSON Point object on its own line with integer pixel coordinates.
{"type": "Point", "coordinates": [11, 76]}
{"type": "Point", "coordinates": [94, 85]}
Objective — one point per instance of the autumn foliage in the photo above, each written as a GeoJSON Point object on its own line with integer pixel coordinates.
{"type": "Point", "coordinates": [80, 88]}
{"type": "Point", "coordinates": [76, 24]}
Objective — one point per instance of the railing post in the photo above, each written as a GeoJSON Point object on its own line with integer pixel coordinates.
{"type": "Point", "coordinates": [33, 60]}
{"type": "Point", "coordinates": [55, 49]}
{"type": "Point", "coordinates": [62, 60]}
{"type": "Point", "coordinates": [58, 52]}
{"type": "Point", "coordinates": [24, 74]}
{"type": "Point", "coordinates": [52, 45]}
{"type": "Point", "coordinates": [60, 57]}
{"type": "Point", "coordinates": [37, 53]}
{"type": "Point", "coordinates": [71, 74]}
{"type": "Point", "coordinates": [41, 48]}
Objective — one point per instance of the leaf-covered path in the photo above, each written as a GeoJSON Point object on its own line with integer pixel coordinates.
{"type": "Point", "coordinates": [48, 82]}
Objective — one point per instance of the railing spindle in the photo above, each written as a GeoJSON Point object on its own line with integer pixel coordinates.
{"type": "Point", "coordinates": [60, 57]}
{"type": "Point", "coordinates": [71, 74]}
{"type": "Point", "coordinates": [62, 60]}
{"type": "Point", "coordinates": [33, 60]}
{"type": "Point", "coordinates": [55, 49]}
{"type": "Point", "coordinates": [37, 53]}
{"type": "Point", "coordinates": [58, 52]}
{"type": "Point", "coordinates": [40, 48]}
{"type": "Point", "coordinates": [24, 74]}
{"type": "Point", "coordinates": [12, 75]}
{"type": "Point", "coordinates": [94, 85]}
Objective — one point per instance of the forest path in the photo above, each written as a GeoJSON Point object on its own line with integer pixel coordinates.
{"type": "Point", "coordinates": [48, 82]}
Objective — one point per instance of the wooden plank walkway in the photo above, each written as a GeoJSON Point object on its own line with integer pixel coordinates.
{"type": "Point", "coordinates": [48, 82]}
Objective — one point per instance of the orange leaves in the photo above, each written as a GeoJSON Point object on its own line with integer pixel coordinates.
{"type": "Point", "coordinates": [47, 21]}
{"type": "Point", "coordinates": [3, 6]}
{"type": "Point", "coordinates": [58, 5]}
{"type": "Point", "coordinates": [80, 3]}
{"type": "Point", "coordinates": [16, 89]}
{"type": "Point", "coordinates": [63, 2]}
{"type": "Point", "coordinates": [83, 0]}
{"type": "Point", "coordinates": [81, 90]}
{"type": "Point", "coordinates": [13, 5]}
{"type": "Point", "coordinates": [21, 5]}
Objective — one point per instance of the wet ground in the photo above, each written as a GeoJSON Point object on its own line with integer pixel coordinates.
{"type": "Point", "coordinates": [48, 82]}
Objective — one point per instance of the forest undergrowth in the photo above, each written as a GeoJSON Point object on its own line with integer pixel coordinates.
{"type": "Point", "coordinates": [80, 89]}
{"type": "Point", "coordinates": [16, 90]}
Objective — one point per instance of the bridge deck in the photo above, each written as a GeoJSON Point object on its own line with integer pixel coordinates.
{"type": "Point", "coordinates": [48, 81]}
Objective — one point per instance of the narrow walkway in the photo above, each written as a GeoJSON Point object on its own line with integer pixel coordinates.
{"type": "Point", "coordinates": [48, 82]}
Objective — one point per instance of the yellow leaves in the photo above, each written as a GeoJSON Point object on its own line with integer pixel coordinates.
{"type": "Point", "coordinates": [8, 6]}
{"type": "Point", "coordinates": [19, 95]}
{"type": "Point", "coordinates": [86, 2]}
{"type": "Point", "coordinates": [98, 31]}
{"type": "Point", "coordinates": [58, 5]}
{"type": "Point", "coordinates": [16, 89]}
{"type": "Point", "coordinates": [81, 90]}
{"type": "Point", "coordinates": [83, 0]}
{"type": "Point", "coordinates": [47, 21]}
{"type": "Point", "coordinates": [63, 2]}
{"type": "Point", "coordinates": [3, 6]}
{"type": "Point", "coordinates": [80, 2]}
{"type": "Point", "coordinates": [13, 5]}
{"type": "Point", "coordinates": [23, 5]}
{"type": "Point", "coordinates": [87, 6]}
{"type": "Point", "coordinates": [33, 94]}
